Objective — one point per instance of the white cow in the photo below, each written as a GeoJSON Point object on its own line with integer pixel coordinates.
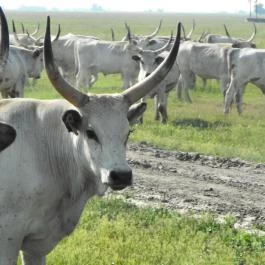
{"type": "Point", "coordinates": [19, 64]}
{"type": "Point", "coordinates": [107, 57]}
{"type": "Point", "coordinates": [245, 66]}
{"type": "Point", "coordinates": [149, 61]}
{"type": "Point", "coordinates": [208, 61]}
{"type": "Point", "coordinates": [56, 154]}
{"type": "Point", "coordinates": [64, 54]}
{"type": "Point", "coordinates": [24, 39]}
{"type": "Point", "coordinates": [143, 41]}
{"type": "Point", "coordinates": [236, 42]}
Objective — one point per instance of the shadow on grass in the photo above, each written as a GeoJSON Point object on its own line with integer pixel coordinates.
{"type": "Point", "coordinates": [199, 123]}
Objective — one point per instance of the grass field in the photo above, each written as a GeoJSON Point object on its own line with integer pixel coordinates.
{"type": "Point", "coordinates": [200, 126]}
{"type": "Point", "coordinates": [112, 232]}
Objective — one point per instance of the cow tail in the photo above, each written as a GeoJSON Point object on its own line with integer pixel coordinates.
{"type": "Point", "coordinates": [231, 61]}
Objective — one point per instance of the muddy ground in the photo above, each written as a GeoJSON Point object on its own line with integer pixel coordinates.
{"type": "Point", "coordinates": [195, 183]}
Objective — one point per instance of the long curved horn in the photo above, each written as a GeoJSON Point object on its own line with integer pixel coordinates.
{"type": "Point", "coordinates": [4, 50]}
{"type": "Point", "coordinates": [166, 46]}
{"type": "Point", "coordinates": [36, 30]}
{"type": "Point", "coordinates": [15, 32]}
{"type": "Point", "coordinates": [155, 32]}
{"type": "Point", "coordinates": [227, 33]}
{"type": "Point", "coordinates": [71, 94]}
{"type": "Point", "coordinates": [112, 34]}
{"type": "Point", "coordinates": [192, 29]}
{"type": "Point", "coordinates": [203, 35]}
{"type": "Point", "coordinates": [128, 35]}
{"type": "Point", "coordinates": [253, 34]}
{"type": "Point", "coordinates": [139, 90]}
{"type": "Point", "coordinates": [184, 33]}
{"type": "Point", "coordinates": [58, 33]}
{"type": "Point", "coordinates": [23, 28]}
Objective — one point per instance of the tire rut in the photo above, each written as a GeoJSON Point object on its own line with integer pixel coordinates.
{"type": "Point", "coordinates": [195, 183]}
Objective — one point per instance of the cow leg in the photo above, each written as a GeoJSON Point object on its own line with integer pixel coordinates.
{"type": "Point", "coordinates": [239, 101]}
{"type": "Point", "coordinates": [229, 95]}
{"type": "Point", "coordinates": [93, 76]}
{"type": "Point", "coordinates": [28, 259]}
{"type": "Point", "coordinates": [157, 115]}
{"type": "Point", "coordinates": [162, 109]}
{"type": "Point", "coordinates": [187, 95]}
{"type": "Point", "coordinates": [8, 251]}
{"type": "Point", "coordinates": [10, 239]}
{"type": "Point", "coordinates": [126, 81]}
{"type": "Point", "coordinates": [204, 82]}
{"type": "Point", "coordinates": [188, 81]}
{"type": "Point", "coordinates": [141, 119]}
{"type": "Point", "coordinates": [162, 98]}
{"type": "Point", "coordinates": [179, 88]}
{"type": "Point", "coordinates": [224, 84]}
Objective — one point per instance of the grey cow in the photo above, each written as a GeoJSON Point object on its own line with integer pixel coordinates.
{"type": "Point", "coordinates": [63, 152]}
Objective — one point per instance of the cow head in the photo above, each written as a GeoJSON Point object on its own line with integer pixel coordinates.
{"type": "Point", "coordinates": [150, 59]}
{"type": "Point", "coordinates": [98, 124]}
{"type": "Point", "coordinates": [36, 63]}
{"type": "Point", "coordinates": [241, 43]}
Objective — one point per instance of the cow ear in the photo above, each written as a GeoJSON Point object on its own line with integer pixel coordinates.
{"type": "Point", "coordinates": [37, 52]}
{"type": "Point", "coordinates": [152, 42]}
{"type": "Point", "coordinates": [135, 112]}
{"type": "Point", "coordinates": [136, 58]}
{"type": "Point", "coordinates": [159, 60]}
{"type": "Point", "coordinates": [7, 135]}
{"type": "Point", "coordinates": [72, 121]}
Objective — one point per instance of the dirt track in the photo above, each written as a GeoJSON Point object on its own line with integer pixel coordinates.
{"type": "Point", "coordinates": [190, 181]}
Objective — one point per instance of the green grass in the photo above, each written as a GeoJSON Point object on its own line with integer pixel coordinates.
{"type": "Point", "coordinates": [114, 232]}
{"type": "Point", "coordinates": [198, 127]}
{"type": "Point", "coordinates": [231, 136]}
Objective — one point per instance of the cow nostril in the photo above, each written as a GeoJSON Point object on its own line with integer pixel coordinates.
{"type": "Point", "coordinates": [120, 179]}
{"type": "Point", "coordinates": [147, 74]}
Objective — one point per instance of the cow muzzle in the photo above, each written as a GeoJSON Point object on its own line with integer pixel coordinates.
{"type": "Point", "coordinates": [119, 180]}
{"type": "Point", "coordinates": [147, 74]}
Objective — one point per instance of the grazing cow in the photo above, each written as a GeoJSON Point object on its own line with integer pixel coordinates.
{"type": "Point", "coordinates": [19, 64]}
{"type": "Point", "coordinates": [107, 57]}
{"type": "Point", "coordinates": [245, 66]}
{"type": "Point", "coordinates": [24, 39]}
{"type": "Point", "coordinates": [208, 61]}
{"type": "Point", "coordinates": [57, 154]}
{"type": "Point", "coordinates": [149, 61]}
{"type": "Point", "coordinates": [236, 42]}
{"type": "Point", "coordinates": [140, 40]}
{"type": "Point", "coordinates": [63, 48]}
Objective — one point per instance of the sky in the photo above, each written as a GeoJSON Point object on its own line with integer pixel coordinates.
{"type": "Point", "coordinates": [176, 6]}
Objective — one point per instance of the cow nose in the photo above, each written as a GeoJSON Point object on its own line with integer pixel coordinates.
{"type": "Point", "coordinates": [147, 74]}
{"type": "Point", "coordinates": [120, 179]}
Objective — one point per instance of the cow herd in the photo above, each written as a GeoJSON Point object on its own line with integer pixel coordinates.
{"type": "Point", "coordinates": [81, 58]}
{"type": "Point", "coordinates": [56, 154]}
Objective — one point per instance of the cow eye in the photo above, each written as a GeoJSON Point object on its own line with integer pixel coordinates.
{"type": "Point", "coordinates": [92, 135]}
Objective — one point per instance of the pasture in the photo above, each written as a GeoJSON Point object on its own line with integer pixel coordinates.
{"type": "Point", "coordinates": [112, 232]}
{"type": "Point", "coordinates": [200, 126]}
